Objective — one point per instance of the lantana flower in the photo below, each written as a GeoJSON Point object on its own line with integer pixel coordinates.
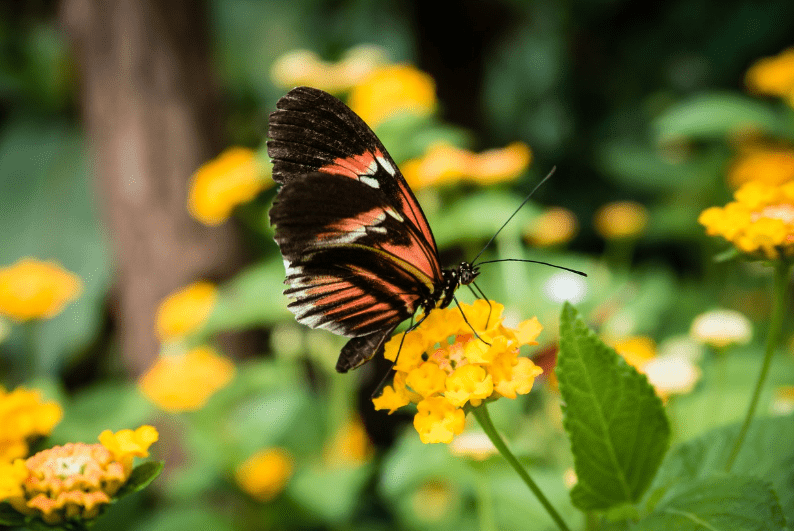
{"type": "Point", "coordinates": [234, 177]}
{"type": "Point", "coordinates": [24, 415]}
{"type": "Point", "coordinates": [443, 378]}
{"type": "Point", "coordinates": [186, 380]}
{"type": "Point", "coordinates": [265, 474]}
{"type": "Point", "coordinates": [721, 328]}
{"type": "Point", "coordinates": [444, 163]}
{"type": "Point", "coordinates": [74, 481]}
{"type": "Point", "coordinates": [773, 165]}
{"type": "Point", "coordinates": [621, 219]}
{"type": "Point", "coordinates": [392, 90]}
{"type": "Point", "coordinates": [304, 67]}
{"type": "Point", "coordinates": [773, 76]}
{"type": "Point", "coordinates": [35, 289]}
{"type": "Point", "coordinates": [759, 223]}
{"type": "Point", "coordinates": [185, 310]}
{"type": "Point", "coordinates": [555, 226]}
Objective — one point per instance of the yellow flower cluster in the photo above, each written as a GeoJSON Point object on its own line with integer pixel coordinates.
{"type": "Point", "coordinates": [773, 76]}
{"type": "Point", "coordinates": [443, 378]}
{"type": "Point", "coordinates": [445, 163]}
{"type": "Point", "coordinates": [185, 381]}
{"type": "Point", "coordinates": [304, 67]}
{"type": "Point", "coordinates": [392, 90]}
{"type": "Point", "coordinates": [74, 481]}
{"type": "Point", "coordinates": [265, 474]}
{"type": "Point", "coordinates": [23, 415]}
{"type": "Point", "coordinates": [760, 222]}
{"type": "Point", "coordinates": [185, 310]}
{"type": "Point", "coordinates": [235, 177]}
{"type": "Point", "coordinates": [34, 289]}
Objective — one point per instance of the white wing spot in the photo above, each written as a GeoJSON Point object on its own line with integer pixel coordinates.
{"type": "Point", "coordinates": [387, 165]}
{"type": "Point", "coordinates": [394, 214]}
{"type": "Point", "coordinates": [369, 181]}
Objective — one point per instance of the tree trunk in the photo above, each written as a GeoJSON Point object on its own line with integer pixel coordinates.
{"type": "Point", "coordinates": [151, 112]}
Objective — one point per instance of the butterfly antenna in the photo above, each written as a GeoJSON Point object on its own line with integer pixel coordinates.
{"type": "Point", "coordinates": [524, 202]}
{"type": "Point", "coordinates": [535, 262]}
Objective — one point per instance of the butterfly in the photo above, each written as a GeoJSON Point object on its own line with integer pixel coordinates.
{"type": "Point", "coordinates": [359, 255]}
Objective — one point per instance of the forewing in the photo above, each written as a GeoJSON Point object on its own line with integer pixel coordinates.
{"type": "Point", "coordinates": [313, 131]}
{"type": "Point", "coordinates": [350, 263]}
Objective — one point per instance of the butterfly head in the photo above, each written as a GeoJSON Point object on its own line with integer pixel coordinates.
{"type": "Point", "coordinates": [467, 273]}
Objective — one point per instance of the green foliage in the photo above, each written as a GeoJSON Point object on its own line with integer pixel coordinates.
{"type": "Point", "coordinates": [140, 478]}
{"type": "Point", "coordinates": [618, 428]}
{"type": "Point", "coordinates": [731, 503]}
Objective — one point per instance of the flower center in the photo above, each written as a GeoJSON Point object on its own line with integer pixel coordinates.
{"type": "Point", "coordinates": [70, 466]}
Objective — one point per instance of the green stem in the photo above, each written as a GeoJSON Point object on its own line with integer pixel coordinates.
{"type": "Point", "coordinates": [481, 413]}
{"type": "Point", "coordinates": [782, 272]}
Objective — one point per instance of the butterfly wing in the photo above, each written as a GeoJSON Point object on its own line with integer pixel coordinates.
{"type": "Point", "coordinates": [359, 254]}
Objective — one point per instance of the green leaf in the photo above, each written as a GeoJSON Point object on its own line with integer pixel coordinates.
{"type": "Point", "coordinates": [727, 503]}
{"type": "Point", "coordinates": [767, 454]}
{"type": "Point", "coordinates": [715, 115]}
{"type": "Point", "coordinates": [617, 425]}
{"type": "Point", "coordinates": [140, 478]}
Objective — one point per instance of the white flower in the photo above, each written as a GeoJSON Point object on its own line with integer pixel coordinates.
{"type": "Point", "coordinates": [720, 328]}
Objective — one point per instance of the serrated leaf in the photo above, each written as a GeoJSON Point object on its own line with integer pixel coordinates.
{"type": "Point", "coordinates": [617, 425]}
{"type": "Point", "coordinates": [726, 503]}
{"type": "Point", "coordinates": [716, 114]}
{"type": "Point", "coordinates": [767, 453]}
{"type": "Point", "coordinates": [140, 477]}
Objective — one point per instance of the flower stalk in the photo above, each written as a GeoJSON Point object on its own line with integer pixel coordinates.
{"type": "Point", "coordinates": [781, 279]}
{"type": "Point", "coordinates": [483, 417]}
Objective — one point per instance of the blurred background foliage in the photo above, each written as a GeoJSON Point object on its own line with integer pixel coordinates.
{"type": "Point", "coordinates": [630, 101]}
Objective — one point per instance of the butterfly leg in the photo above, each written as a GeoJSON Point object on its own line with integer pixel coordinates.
{"type": "Point", "coordinates": [468, 323]}
{"type": "Point", "coordinates": [481, 296]}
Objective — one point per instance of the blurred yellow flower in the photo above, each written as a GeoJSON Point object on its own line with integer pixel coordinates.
{"type": "Point", "coordinates": [441, 378]}
{"type": "Point", "coordinates": [350, 446]}
{"type": "Point", "coordinates": [265, 474]}
{"type": "Point", "coordinates": [433, 501]}
{"type": "Point", "coordinates": [236, 176]}
{"type": "Point", "coordinates": [636, 350]}
{"type": "Point", "coordinates": [759, 223]}
{"type": "Point", "coordinates": [392, 90]}
{"type": "Point", "coordinates": [621, 219]}
{"type": "Point", "coordinates": [773, 76]}
{"type": "Point", "coordinates": [5, 329]}
{"type": "Point", "coordinates": [765, 164]}
{"type": "Point", "coordinates": [69, 482]}
{"type": "Point", "coordinates": [555, 226]}
{"type": "Point", "coordinates": [34, 289]}
{"type": "Point", "coordinates": [444, 163]}
{"type": "Point", "coordinates": [721, 328]}
{"type": "Point", "coordinates": [24, 415]}
{"type": "Point", "coordinates": [185, 310]}
{"type": "Point", "coordinates": [185, 381]}
{"type": "Point", "coordinates": [304, 67]}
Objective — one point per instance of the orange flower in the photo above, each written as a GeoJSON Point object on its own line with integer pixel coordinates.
{"type": "Point", "coordinates": [392, 90]}
{"type": "Point", "coordinates": [350, 446]}
{"type": "Point", "coordinates": [24, 415]}
{"type": "Point", "coordinates": [621, 219]}
{"type": "Point", "coordinates": [773, 76]}
{"type": "Point", "coordinates": [33, 289]}
{"type": "Point", "coordinates": [444, 163]}
{"type": "Point", "coordinates": [185, 311]}
{"type": "Point", "coordinates": [235, 177]}
{"type": "Point", "coordinates": [759, 223]}
{"type": "Point", "coordinates": [184, 382]}
{"type": "Point", "coordinates": [766, 164]}
{"type": "Point", "coordinates": [304, 67]}
{"type": "Point", "coordinates": [265, 474]}
{"type": "Point", "coordinates": [72, 481]}
{"type": "Point", "coordinates": [556, 226]}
